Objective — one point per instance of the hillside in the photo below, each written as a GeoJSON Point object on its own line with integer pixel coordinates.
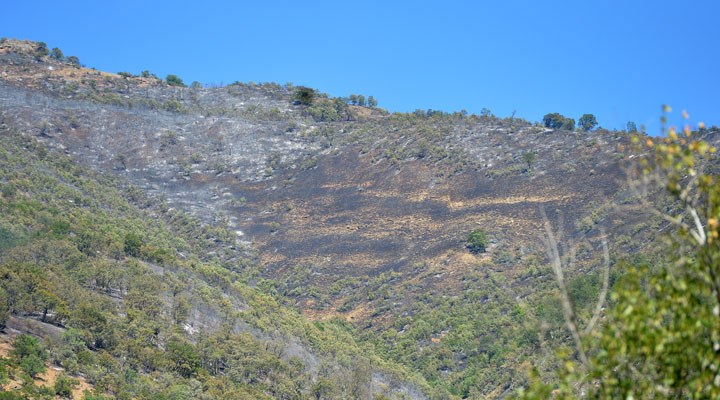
{"type": "Point", "coordinates": [326, 229]}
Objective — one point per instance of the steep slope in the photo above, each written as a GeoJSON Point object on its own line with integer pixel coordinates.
{"type": "Point", "coordinates": [120, 295]}
{"type": "Point", "coordinates": [353, 213]}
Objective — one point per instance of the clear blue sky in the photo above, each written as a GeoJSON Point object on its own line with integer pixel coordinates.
{"type": "Point", "coordinates": [619, 60]}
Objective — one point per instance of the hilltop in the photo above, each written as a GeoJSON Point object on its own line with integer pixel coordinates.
{"type": "Point", "coordinates": [347, 215]}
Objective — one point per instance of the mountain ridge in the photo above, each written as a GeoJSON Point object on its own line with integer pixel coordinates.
{"type": "Point", "coordinates": [352, 213]}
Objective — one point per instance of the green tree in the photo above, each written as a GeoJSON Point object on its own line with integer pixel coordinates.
{"type": "Point", "coordinates": [661, 335]}
{"type": "Point", "coordinates": [174, 80]}
{"type": "Point", "coordinates": [74, 61]}
{"type": "Point", "coordinates": [132, 244]}
{"type": "Point", "coordinates": [558, 121]}
{"type": "Point", "coordinates": [41, 50]}
{"type": "Point", "coordinates": [631, 127]}
{"type": "Point", "coordinates": [477, 241]}
{"type": "Point", "coordinates": [587, 122]}
{"type": "Point", "coordinates": [4, 308]}
{"type": "Point", "coordinates": [304, 95]}
{"type": "Point", "coordinates": [64, 386]}
{"type": "Point", "coordinates": [57, 54]}
{"type": "Point", "coordinates": [184, 357]}
{"type": "Point", "coordinates": [30, 354]}
{"type": "Point", "coordinates": [361, 100]}
{"type": "Point", "coordinates": [372, 103]}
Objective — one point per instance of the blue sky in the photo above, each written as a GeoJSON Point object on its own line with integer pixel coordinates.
{"type": "Point", "coordinates": [619, 60]}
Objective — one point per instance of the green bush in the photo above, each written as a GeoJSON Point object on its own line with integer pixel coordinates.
{"type": "Point", "coordinates": [57, 54]}
{"type": "Point", "coordinates": [174, 80]}
{"type": "Point", "coordinates": [659, 336]}
{"type": "Point", "coordinates": [477, 241]}
{"type": "Point", "coordinates": [304, 96]}
{"type": "Point", "coordinates": [64, 386]}
{"type": "Point", "coordinates": [73, 60]}
{"type": "Point", "coordinates": [41, 50]}
{"type": "Point", "coordinates": [558, 121]}
{"type": "Point", "coordinates": [132, 245]}
{"type": "Point", "coordinates": [30, 354]}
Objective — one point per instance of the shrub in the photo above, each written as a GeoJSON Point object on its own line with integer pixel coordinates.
{"type": "Point", "coordinates": [4, 308]}
{"type": "Point", "coordinates": [329, 110]}
{"type": "Point", "coordinates": [132, 244]}
{"type": "Point", "coordinates": [659, 335]}
{"type": "Point", "coordinates": [477, 241]}
{"type": "Point", "coordinates": [529, 158]}
{"type": "Point", "coordinates": [304, 96]}
{"type": "Point", "coordinates": [174, 80]}
{"type": "Point", "coordinates": [174, 106]}
{"type": "Point", "coordinates": [57, 54]}
{"type": "Point", "coordinates": [73, 60]}
{"type": "Point", "coordinates": [64, 386]}
{"type": "Point", "coordinates": [184, 358]}
{"type": "Point", "coordinates": [41, 50]}
{"type": "Point", "coordinates": [30, 354]}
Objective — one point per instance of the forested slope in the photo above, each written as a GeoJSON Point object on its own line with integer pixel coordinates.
{"type": "Point", "coordinates": [113, 285]}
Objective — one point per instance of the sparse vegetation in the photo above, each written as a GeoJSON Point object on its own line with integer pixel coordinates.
{"type": "Point", "coordinates": [631, 127]}
{"type": "Point", "coordinates": [529, 158]}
